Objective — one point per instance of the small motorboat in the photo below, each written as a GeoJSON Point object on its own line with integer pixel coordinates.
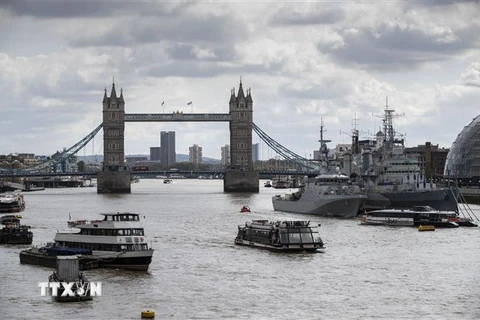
{"type": "Point", "coordinates": [426, 228]}
{"type": "Point", "coordinates": [245, 209]}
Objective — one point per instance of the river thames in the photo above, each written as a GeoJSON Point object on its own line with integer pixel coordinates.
{"type": "Point", "coordinates": [198, 273]}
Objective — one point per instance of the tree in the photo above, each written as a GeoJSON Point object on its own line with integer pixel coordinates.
{"type": "Point", "coordinates": [81, 166]}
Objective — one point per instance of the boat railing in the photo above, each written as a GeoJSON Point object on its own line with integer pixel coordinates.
{"type": "Point", "coordinates": [75, 223]}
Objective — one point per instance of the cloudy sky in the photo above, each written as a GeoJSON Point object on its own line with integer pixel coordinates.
{"type": "Point", "coordinates": [304, 62]}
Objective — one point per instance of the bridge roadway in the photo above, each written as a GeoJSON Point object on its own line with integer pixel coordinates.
{"type": "Point", "coordinates": [177, 116]}
{"type": "Point", "coordinates": [264, 173]}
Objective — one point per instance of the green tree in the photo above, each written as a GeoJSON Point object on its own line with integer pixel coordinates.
{"type": "Point", "coordinates": [81, 166]}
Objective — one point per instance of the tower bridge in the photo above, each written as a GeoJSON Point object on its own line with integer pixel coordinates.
{"type": "Point", "coordinates": [115, 176]}
{"type": "Point", "coordinates": [239, 177]}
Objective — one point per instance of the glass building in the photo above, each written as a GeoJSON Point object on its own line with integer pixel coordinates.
{"type": "Point", "coordinates": [463, 159]}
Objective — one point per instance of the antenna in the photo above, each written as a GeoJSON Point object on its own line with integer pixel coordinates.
{"type": "Point", "coordinates": [323, 146]}
{"type": "Point", "coordinates": [389, 139]}
{"type": "Point", "coordinates": [355, 134]}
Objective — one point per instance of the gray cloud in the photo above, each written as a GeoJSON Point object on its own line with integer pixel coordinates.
{"type": "Point", "coordinates": [138, 31]}
{"type": "Point", "coordinates": [471, 76]}
{"type": "Point", "coordinates": [198, 69]}
{"type": "Point", "coordinates": [324, 91]}
{"type": "Point", "coordinates": [312, 14]}
{"type": "Point", "coordinates": [70, 9]}
{"type": "Point", "coordinates": [52, 90]}
{"type": "Point", "coordinates": [394, 48]}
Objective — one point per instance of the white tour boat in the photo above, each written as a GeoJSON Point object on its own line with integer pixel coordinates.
{"type": "Point", "coordinates": [118, 240]}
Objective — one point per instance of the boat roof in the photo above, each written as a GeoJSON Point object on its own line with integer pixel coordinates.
{"type": "Point", "coordinates": [119, 214]}
{"type": "Point", "coordinates": [287, 223]}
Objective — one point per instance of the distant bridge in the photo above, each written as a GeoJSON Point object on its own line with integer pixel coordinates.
{"type": "Point", "coordinates": [27, 174]}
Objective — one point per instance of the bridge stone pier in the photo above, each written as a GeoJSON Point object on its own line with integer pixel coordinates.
{"type": "Point", "coordinates": [239, 177]}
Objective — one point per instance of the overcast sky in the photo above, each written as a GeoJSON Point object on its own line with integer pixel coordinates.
{"type": "Point", "coordinates": [330, 60]}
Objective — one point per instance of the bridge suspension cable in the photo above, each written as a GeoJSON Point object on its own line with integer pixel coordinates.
{"type": "Point", "coordinates": [67, 153]}
{"type": "Point", "coordinates": [281, 150]}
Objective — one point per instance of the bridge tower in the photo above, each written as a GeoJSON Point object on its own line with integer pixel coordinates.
{"type": "Point", "coordinates": [240, 176]}
{"type": "Point", "coordinates": [114, 177]}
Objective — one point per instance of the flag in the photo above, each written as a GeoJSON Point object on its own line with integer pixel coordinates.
{"type": "Point", "coordinates": [163, 103]}
{"type": "Point", "coordinates": [189, 103]}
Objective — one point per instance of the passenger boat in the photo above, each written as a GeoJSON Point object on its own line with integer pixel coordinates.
{"type": "Point", "coordinates": [68, 271]}
{"type": "Point", "coordinates": [13, 232]}
{"type": "Point", "coordinates": [414, 217]}
{"type": "Point", "coordinates": [280, 235]}
{"type": "Point", "coordinates": [118, 240]}
{"type": "Point", "coordinates": [11, 202]}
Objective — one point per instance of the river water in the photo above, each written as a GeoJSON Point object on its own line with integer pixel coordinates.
{"type": "Point", "coordinates": [198, 273]}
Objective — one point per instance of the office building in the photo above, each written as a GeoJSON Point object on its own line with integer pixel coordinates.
{"type": "Point", "coordinates": [167, 145]}
{"type": "Point", "coordinates": [155, 153]}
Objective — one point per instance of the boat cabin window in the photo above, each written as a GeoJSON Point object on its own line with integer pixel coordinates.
{"type": "Point", "coordinates": [294, 237]}
{"type": "Point", "coordinates": [112, 232]}
{"type": "Point", "coordinates": [297, 236]}
{"type": "Point", "coordinates": [307, 237]}
{"type": "Point", "coordinates": [105, 247]}
{"type": "Point", "coordinates": [122, 217]}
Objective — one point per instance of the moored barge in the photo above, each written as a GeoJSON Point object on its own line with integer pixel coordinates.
{"type": "Point", "coordinates": [46, 256]}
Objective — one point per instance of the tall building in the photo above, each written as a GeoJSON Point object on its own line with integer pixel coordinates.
{"type": "Point", "coordinates": [225, 155]}
{"type": "Point", "coordinates": [167, 145]}
{"type": "Point", "coordinates": [195, 154]}
{"type": "Point", "coordinates": [255, 152]}
{"type": "Point", "coordinates": [155, 153]}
